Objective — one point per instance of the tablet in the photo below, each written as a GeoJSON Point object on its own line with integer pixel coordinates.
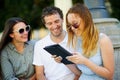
{"type": "Point", "coordinates": [58, 50]}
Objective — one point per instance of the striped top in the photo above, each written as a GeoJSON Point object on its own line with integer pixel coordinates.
{"type": "Point", "coordinates": [15, 65]}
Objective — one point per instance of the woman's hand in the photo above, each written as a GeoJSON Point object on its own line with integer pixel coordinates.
{"type": "Point", "coordinates": [57, 58]}
{"type": "Point", "coordinates": [77, 58]}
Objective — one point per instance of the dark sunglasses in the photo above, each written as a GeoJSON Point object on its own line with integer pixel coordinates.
{"type": "Point", "coordinates": [74, 26]}
{"type": "Point", "coordinates": [21, 30]}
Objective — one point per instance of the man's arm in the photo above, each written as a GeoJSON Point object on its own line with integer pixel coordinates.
{"type": "Point", "coordinates": [72, 67]}
{"type": "Point", "coordinates": [75, 70]}
{"type": "Point", "coordinates": [40, 72]}
{"type": "Point", "coordinates": [33, 77]}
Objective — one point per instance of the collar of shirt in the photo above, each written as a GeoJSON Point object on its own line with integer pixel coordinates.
{"type": "Point", "coordinates": [13, 47]}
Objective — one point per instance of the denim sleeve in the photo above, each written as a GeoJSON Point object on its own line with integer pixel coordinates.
{"type": "Point", "coordinates": [6, 67]}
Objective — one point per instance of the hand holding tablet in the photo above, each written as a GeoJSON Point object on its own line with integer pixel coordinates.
{"type": "Point", "coordinates": [58, 50]}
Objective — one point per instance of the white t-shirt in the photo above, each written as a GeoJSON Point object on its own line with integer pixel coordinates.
{"type": "Point", "coordinates": [52, 69]}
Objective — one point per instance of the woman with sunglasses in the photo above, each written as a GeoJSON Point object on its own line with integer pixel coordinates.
{"type": "Point", "coordinates": [92, 55]}
{"type": "Point", "coordinates": [16, 51]}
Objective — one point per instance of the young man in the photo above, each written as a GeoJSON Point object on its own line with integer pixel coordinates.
{"type": "Point", "coordinates": [46, 67]}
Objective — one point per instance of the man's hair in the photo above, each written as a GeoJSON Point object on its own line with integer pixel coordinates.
{"type": "Point", "coordinates": [50, 11]}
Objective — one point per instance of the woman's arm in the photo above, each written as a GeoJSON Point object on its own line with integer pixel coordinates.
{"type": "Point", "coordinates": [107, 52]}
{"type": "Point", "coordinates": [108, 58]}
{"type": "Point", "coordinates": [107, 70]}
{"type": "Point", "coordinates": [6, 67]}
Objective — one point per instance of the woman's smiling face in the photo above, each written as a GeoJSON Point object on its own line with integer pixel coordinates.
{"type": "Point", "coordinates": [75, 23]}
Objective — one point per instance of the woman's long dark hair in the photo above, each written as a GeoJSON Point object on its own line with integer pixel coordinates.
{"type": "Point", "coordinates": [5, 39]}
